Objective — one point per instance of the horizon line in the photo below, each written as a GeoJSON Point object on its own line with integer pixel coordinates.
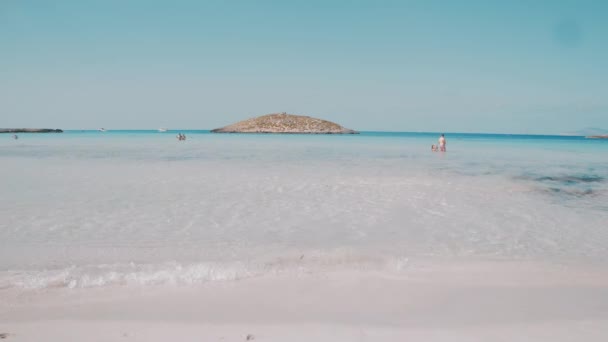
{"type": "Point", "coordinates": [360, 131]}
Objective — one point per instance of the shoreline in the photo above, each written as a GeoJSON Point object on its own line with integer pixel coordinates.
{"type": "Point", "coordinates": [449, 302]}
{"type": "Point", "coordinates": [30, 130]}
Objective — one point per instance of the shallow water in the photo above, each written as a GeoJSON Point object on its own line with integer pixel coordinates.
{"type": "Point", "coordinates": [89, 208]}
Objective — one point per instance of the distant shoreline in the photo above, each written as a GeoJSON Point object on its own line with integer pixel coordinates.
{"type": "Point", "coordinates": [362, 132]}
{"type": "Point", "coordinates": [30, 130]}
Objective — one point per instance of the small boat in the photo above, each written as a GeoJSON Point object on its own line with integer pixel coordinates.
{"type": "Point", "coordinates": [102, 129]}
{"type": "Point", "coordinates": [162, 130]}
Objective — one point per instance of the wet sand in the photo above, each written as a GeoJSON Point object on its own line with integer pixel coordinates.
{"type": "Point", "coordinates": [496, 301]}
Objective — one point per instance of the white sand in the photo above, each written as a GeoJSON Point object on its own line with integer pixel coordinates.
{"type": "Point", "coordinates": [434, 302]}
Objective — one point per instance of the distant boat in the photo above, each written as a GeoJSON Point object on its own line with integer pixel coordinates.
{"type": "Point", "coordinates": [162, 130]}
{"type": "Point", "coordinates": [102, 129]}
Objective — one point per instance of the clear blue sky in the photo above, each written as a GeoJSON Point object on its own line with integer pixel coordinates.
{"type": "Point", "coordinates": [465, 66]}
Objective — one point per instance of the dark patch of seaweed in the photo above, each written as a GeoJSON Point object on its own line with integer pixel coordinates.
{"type": "Point", "coordinates": [571, 179]}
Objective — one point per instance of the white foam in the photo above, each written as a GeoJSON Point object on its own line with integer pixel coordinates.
{"type": "Point", "coordinates": [175, 273]}
{"type": "Point", "coordinates": [121, 274]}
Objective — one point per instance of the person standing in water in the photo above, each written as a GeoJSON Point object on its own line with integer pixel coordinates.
{"type": "Point", "coordinates": [442, 143]}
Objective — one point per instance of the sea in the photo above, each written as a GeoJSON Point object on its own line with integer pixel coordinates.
{"type": "Point", "coordinates": [86, 209]}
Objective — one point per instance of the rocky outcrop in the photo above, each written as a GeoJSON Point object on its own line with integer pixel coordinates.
{"type": "Point", "coordinates": [285, 123]}
{"type": "Point", "coordinates": [597, 137]}
{"type": "Point", "coordinates": [30, 130]}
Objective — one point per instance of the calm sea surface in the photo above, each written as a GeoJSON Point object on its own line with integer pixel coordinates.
{"type": "Point", "coordinates": [89, 208]}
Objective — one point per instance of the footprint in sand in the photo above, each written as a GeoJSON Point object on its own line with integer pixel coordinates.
{"type": "Point", "coordinates": [4, 335]}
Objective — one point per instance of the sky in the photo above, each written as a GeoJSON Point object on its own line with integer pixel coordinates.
{"type": "Point", "coordinates": [535, 67]}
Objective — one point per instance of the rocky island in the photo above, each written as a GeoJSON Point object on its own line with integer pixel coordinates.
{"type": "Point", "coordinates": [30, 130]}
{"type": "Point", "coordinates": [597, 137]}
{"type": "Point", "coordinates": [285, 123]}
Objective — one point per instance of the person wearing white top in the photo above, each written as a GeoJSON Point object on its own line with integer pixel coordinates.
{"type": "Point", "coordinates": [442, 143]}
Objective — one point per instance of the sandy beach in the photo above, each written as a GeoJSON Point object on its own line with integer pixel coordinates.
{"type": "Point", "coordinates": [498, 301]}
{"type": "Point", "coordinates": [318, 171]}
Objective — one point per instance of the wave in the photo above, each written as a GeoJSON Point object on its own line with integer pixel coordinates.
{"type": "Point", "coordinates": [176, 273]}
{"type": "Point", "coordinates": [121, 274]}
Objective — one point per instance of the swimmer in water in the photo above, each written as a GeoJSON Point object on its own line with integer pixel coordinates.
{"type": "Point", "coordinates": [442, 143]}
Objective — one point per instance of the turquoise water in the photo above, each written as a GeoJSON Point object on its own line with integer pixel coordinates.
{"type": "Point", "coordinates": [513, 155]}
{"type": "Point", "coordinates": [459, 142]}
{"type": "Point", "coordinates": [89, 208]}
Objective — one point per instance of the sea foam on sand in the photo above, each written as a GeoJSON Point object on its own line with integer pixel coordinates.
{"type": "Point", "coordinates": [439, 301]}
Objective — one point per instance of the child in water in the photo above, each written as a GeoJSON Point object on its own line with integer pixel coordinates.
{"type": "Point", "coordinates": [434, 148]}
